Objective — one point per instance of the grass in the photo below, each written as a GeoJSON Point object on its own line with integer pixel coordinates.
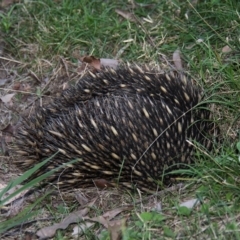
{"type": "Point", "coordinates": [38, 34]}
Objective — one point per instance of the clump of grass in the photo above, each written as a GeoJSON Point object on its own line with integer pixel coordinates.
{"type": "Point", "coordinates": [29, 212]}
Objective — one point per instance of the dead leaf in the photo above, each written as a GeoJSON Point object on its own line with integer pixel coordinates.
{"type": "Point", "coordinates": [49, 232]}
{"type": "Point", "coordinates": [82, 200]}
{"type": "Point", "coordinates": [17, 206]}
{"type": "Point", "coordinates": [103, 219]}
{"type": "Point", "coordinates": [81, 228]}
{"type": "Point", "coordinates": [13, 199]}
{"type": "Point", "coordinates": [102, 183]}
{"type": "Point", "coordinates": [200, 40]}
{"type": "Point", "coordinates": [190, 203]}
{"type": "Point", "coordinates": [96, 63]}
{"type": "Point", "coordinates": [7, 98]}
{"type": "Point", "coordinates": [127, 15]}
{"type": "Point", "coordinates": [16, 86]}
{"type": "Point", "coordinates": [177, 60]}
{"type": "Point", "coordinates": [116, 227]}
{"type": "Point", "coordinates": [113, 213]}
{"type": "Point", "coordinates": [226, 49]}
{"type": "Point", "coordinates": [92, 61]}
{"type": "Point", "coordinates": [157, 207]}
{"type": "Point", "coordinates": [2, 82]}
{"type": "Point", "coordinates": [65, 85]}
{"type": "Point", "coordinates": [113, 63]}
{"type": "Point", "coordinates": [75, 217]}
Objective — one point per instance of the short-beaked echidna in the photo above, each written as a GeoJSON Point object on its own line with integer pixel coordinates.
{"type": "Point", "coordinates": [127, 126]}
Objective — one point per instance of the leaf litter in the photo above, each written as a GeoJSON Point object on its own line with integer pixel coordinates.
{"type": "Point", "coordinates": [80, 216]}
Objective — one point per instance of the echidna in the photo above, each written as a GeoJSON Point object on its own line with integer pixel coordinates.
{"type": "Point", "coordinates": [128, 126]}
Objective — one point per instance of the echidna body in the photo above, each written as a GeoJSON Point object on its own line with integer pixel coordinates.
{"type": "Point", "coordinates": [127, 126]}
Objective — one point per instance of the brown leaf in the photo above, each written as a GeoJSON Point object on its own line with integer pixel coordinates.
{"type": "Point", "coordinates": [16, 86]}
{"type": "Point", "coordinates": [96, 63]}
{"type": "Point", "coordinates": [116, 228]}
{"type": "Point", "coordinates": [75, 217]}
{"type": "Point", "coordinates": [103, 219]}
{"type": "Point", "coordinates": [92, 61]}
{"type": "Point", "coordinates": [102, 183]}
{"type": "Point", "coordinates": [82, 200]}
